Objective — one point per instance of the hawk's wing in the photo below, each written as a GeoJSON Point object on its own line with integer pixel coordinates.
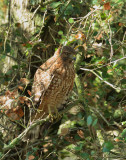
{"type": "Point", "coordinates": [42, 80]}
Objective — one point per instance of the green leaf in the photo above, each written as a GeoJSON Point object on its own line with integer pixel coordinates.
{"type": "Point", "coordinates": [78, 148]}
{"type": "Point", "coordinates": [123, 134]}
{"type": "Point", "coordinates": [55, 4]}
{"type": "Point", "coordinates": [9, 72]}
{"type": "Point", "coordinates": [95, 122]}
{"type": "Point", "coordinates": [89, 120]}
{"type": "Point", "coordinates": [27, 53]}
{"type": "Point", "coordinates": [103, 16]}
{"type": "Point", "coordinates": [107, 146]}
{"type": "Point", "coordinates": [69, 10]}
{"type": "Point", "coordinates": [15, 66]}
{"type": "Point", "coordinates": [71, 20]}
{"type": "Point", "coordinates": [1, 142]}
{"type": "Point", "coordinates": [84, 155]}
{"type": "Point", "coordinates": [43, 9]}
{"type": "Point", "coordinates": [60, 32]}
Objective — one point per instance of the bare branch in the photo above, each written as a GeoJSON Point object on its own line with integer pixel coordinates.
{"type": "Point", "coordinates": [37, 122]}
{"type": "Point", "coordinates": [118, 89]}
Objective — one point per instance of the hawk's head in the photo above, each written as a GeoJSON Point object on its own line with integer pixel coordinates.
{"type": "Point", "coordinates": [67, 53]}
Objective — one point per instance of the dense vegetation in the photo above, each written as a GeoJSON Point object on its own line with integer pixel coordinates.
{"type": "Point", "coordinates": [94, 120]}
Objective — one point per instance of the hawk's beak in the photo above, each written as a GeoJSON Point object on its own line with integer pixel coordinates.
{"type": "Point", "coordinates": [72, 57]}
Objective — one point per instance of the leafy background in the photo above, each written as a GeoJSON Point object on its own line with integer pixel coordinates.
{"type": "Point", "coordinates": [94, 128]}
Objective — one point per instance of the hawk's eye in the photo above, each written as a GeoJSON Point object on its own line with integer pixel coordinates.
{"type": "Point", "coordinates": [66, 53]}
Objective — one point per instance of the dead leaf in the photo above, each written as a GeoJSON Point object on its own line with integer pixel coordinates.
{"type": "Point", "coordinates": [24, 81]}
{"type": "Point", "coordinates": [85, 46]}
{"type": "Point", "coordinates": [12, 94]}
{"type": "Point", "coordinates": [21, 88]}
{"type": "Point", "coordinates": [7, 93]}
{"type": "Point", "coordinates": [24, 44]}
{"type": "Point", "coordinates": [18, 24]}
{"type": "Point", "coordinates": [109, 70]}
{"type": "Point", "coordinates": [64, 131]}
{"type": "Point", "coordinates": [1, 43]}
{"type": "Point", "coordinates": [80, 36]}
{"type": "Point", "coordinates": [120, 24]}
{"type": "Point", "coordinates": [31, 157]}
{"type": "Point", "coordinates": [107, 6]}
{"type": "Point", "coordinates": [15, 113]}
{"type": "Point", "coordinates": [117, 140]}
{"type": "Point", "coordinates": [99, 36]}
{"type": "Point", "coordinates": [69, 139]}
{"type": "Point", "coordinates": [29, 92]}
{"type": "Point", "coordinates": [23, 99]}
{"type": "Point", "coordinates": [80, 133]}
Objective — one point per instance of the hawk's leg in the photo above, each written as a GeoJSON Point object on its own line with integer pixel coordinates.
{"type": "Point", "coordinates": [51, 114]}
{"type": "Point", "coordinates": [58, 115]}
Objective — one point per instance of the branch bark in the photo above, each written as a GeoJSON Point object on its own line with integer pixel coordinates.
{"type": "Point", "coordinates": [118, 89]}
{"type": "Point", "coordinates": [78, 81]}
{"type": "Point", "coordinates": [37, 122]}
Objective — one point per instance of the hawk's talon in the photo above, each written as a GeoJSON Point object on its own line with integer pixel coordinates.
{"type": "Point", "coordinates": [51, 117]}
{"type": "Point", "coordinates": [55, 115]}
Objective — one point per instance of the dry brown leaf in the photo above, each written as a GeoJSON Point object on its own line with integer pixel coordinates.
{"type": "Point", "coordinates": [7, 93]}
{"type": "Point", "coordinates": [117, 140]}
{"type": "Point", "coordinates": [21, 88]}
{"type": "Point", "coordinates": [107, 6]}
{"type": "Point", "coordinates": [99, 36]}
{"type": "Point", "coordinates": [109, 70]}
{"type": "Point", "coordinates": [1, 43]}
{"type": "Point", "coordinates": [18, 24]}
{"type": "Point", "coordinates": [31, 157]}
{"type": "Point", "coordinates": [120, 24]}
{"type": "Point", "coordinates": [15, 113]}
{"type": "Point", "coordinates": [29, 92]}
{"type": "Point", "coordinates": [80, 36]}
{"type": "Point", "coordinates": [80, 133]}
{"type": "Point", "coordinates": [24, 81]}
{"type": "Point", "coordinates": [23, 99]}
{"type": "Point", "coordinates": [64, 131]}
{"type": "Point", "coordinates": [69, 139]}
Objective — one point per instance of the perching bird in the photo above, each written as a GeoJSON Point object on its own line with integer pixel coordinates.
{"type": "Point", "coordinates": [53, 81]}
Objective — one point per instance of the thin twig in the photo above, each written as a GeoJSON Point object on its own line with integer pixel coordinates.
{"type": "Point", "coordinates": [33, 125]}
{"type": "Point", "coordinates": [118, 89]}
{"type": "Point", "coordinates": [5, 155]}
{"type": "Point", "coordinates": [46, 2]}
{"type": "Point", "coordinates": [35, 12]}
{"type": "Point", "coordinates": [43, 20]}
{"type": "Point", "coordinates": [110, 41]}
{"type": "Point", "coordinates": [110, 63]}
{"type": "Point", "coordinates": [101, 115]}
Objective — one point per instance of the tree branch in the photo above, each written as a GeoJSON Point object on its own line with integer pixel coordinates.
{"type": "Point", "coordinates": [118, 89]}
{"type": "Point", "coordinates": [37, 122]}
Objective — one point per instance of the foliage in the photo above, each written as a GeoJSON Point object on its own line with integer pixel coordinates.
{"type": "Point", "coordinates": [95, 127]}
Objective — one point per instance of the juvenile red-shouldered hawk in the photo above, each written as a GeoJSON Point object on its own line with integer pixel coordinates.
{"type": "Point", "coordinates": [53, 81]}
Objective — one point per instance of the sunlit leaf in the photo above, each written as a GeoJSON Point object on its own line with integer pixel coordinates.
{"type": "Point", "coordinates": [71, 20]}
{"type": "Point", "coordinates": [84, 155]}
{"type": "Point", "coordinates": [24, 81]}
{"type": "Point", "coordinates": [55, 4]}
{"type": "Point", "coordinates": [89, 120]}
{"type": "Point", "coordinates": [123, 133]}
{"type": "Point", "coordinates": [95, 122]}
{"type": "Point", "coordinates": [60, 32]}
{"type": "Point", "coordinates": [107, 146]}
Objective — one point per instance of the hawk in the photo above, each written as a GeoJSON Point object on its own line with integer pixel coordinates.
{"type": "Point", "coordinates": [53, 81]}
